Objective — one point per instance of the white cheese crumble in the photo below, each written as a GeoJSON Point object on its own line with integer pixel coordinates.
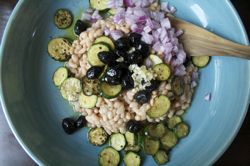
{"type": "Point", "coordinates": [121, 59]}
{"type": "Point", "coordinates": [141, 73]}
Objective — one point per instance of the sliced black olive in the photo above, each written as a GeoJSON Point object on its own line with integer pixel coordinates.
{"type": "Point", "coordinates": [107, 57]}
{"type": "Point", "coordinates": [133, 126]}
{"type": "Point", "coordinates": [187, 61]}
{"type": "Point", "coordinates": [80, 122]}
{"type": "Point", "coordinates": [143, 48]}
{"type": "Point", "coordinates": [113, 72]}
{"type": "Point", "coordinates": [154, 85]}
{"type": "Point", "coordinates": [68, 125]}
{"type": "Point", "coordinates": [142, 96]}
{"type": "Point", "coordinates": [121, 53]}
{"type": "Point", "coordinates": [80, 26]}
{"type": "Point", "coordinates": [127, 82]}
{"type": "Point", "coordinates": [122, 44]}
{"type": "Point", "coordinates": [133, 38]}
{"type": "Point", "coordinates": [94, 72]}
{"type": "Point", "coordinates": [135, 57]}
{"type": "Point", "coordinates": [112, 81]}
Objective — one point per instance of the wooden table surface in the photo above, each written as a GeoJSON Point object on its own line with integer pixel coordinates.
{"type": "Point", "coordinates": [11, 153]}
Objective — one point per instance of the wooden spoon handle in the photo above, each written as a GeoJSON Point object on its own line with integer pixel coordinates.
{"type": "Point", "coordinates": [200, 42]}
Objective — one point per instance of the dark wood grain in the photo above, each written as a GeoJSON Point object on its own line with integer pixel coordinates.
{"type": "Point", "coordinates": [238, 153]}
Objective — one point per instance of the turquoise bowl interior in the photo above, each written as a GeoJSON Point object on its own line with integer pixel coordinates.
{"type": "Point", "coordinates": [33, 106]}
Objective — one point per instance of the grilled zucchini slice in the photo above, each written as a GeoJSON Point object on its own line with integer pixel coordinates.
{"type": "Point", "coordinates": [117, 141]}
{"type": "Point", "coordinates": [97, 136]}
{"type": "Point", "coordinates": [160, 107]}
{"type": "Point", "coordinates": [109, 157]}
{"type": "Point", "coordinates": [154, 58]}
{"type": "Point", "coordinates": [175, 119]}
{"type": "Point", "coordinates": [135, 148]}
{"type": "Point", "coordinates": [163, 71]}
{"type": "Point", "coordinates": [92, 54]}
{"type": "Point", "coordinates": [112, 11]}
{"type": "Point", "coordinates": [161, 157]}
{"type": "Point", "coordinates": [107, 40]}
{"type": "Point", "coordinates": [70, 89]}
{"type": "Point", "coordinates": [151, 146]}
{"type": "Point", "coordinates": [103, 74]}
{"type": "Point", "coordinates": [169, 139]}
{"type": "Point", "coordinates": [90, 86]}
{"type": "Point", "coordinates": [59, 49]}
{"type": "Point", "coordinates": [87, 101]}
{"type": "Point", "coordinates": [62, 18]}
{"type": "Point", "coordinates": [181, 130]}
{"type": "Point", "coordinates": [60, 75]}
{"type": "Point", "coordinates": [100, 5]}
{"type": "Point", "coordinates": [132, 159]}
{"type": "Point", "coordinates": [200, 61]}
{"type": "Point", "coordinates": [109, 91]}
{"type": "Point", "coordinates": [155, 131]}
{"type": "Point", "coordinates": [177, 86]}
{"type": "Point", "coordinates": [131, 138]}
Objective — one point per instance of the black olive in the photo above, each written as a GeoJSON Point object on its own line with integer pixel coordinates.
{"type": "Point", "coordinates": [113, 72]}
{"type": "Point", "coordinates": [68, 125]}
{"type": "Point", "coordinates": [135, 57]}
{"type": "Point", "coordinates": [121, 53]}
{"type": "Point", "coordinates": [122, 66]}
{"type": "Point", "coordinates": [134, 37]}
{"type": "Point", "coordinates": [112, 81]}
{"type": "Point", "coordinates": [107, 57]}
{"type": "Point", "coordinates": [80, 122]}
{"type": "Point", "coordinates": [127, 82]}
{"type": "Point", "coordinates": [143, 48]}
{"type": "Point", "coordinates": [94, 72]}
{"type": "Point", "coordinates": [142, 96]}
{"type": "Point", "coordinates": [187, 61]}
{"type": "Point", "coordinates": [80, 26]}
{"type": "Point", "coordinates": [133, 126]}
{"type": "Point", "coordinates": [122, 44]}
{"type": "Point", "coordinates": [154, 85]}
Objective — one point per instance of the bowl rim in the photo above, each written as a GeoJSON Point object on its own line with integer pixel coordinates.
{"type": "Point", "coordinates": [40, 162]}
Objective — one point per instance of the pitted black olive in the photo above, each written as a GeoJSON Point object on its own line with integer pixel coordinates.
{"type": "Point", "coordinates": [94, 72]}
{"type": "Point", "coordinates": [107, 57]}
{"type": "Point", "coordinates": [113, 72]}
{"type": "Point", "coordinates": [121, 53]}
{"type": "Point", "coordinates": [122, 44]}
{"type": "Point", "coordinates": [112, 81]}
{"type": "Point", "coordinates": [80, 122]}
{"type": "Point", "coordinates": [154, 85]}
{"type": "Point", "coordinates": [142, 96]}
{"type": "Point", "coordinates": [127, 82]}
{"type": "Point", "coordinates": [133, 38]}
{"type": "Point", "coordinates": [143, 48]}
{"type": "Point", "coordinates": [68, 125]}
{"type": "Point", "coordinates": [135, 57]}
{"type": "Point", "coordinates": [80, 26]}
{"type": "Point", "coordinates": [133, 126]}
{"type": "Point", "coordinates": [187, 61]}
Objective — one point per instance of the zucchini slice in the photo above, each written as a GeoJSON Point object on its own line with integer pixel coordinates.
{"type": "Point", "coordinates": [59, 49]}
{"type": "Point", "coordinates": [163, 71]}
{"type": "Point", "coordinates": [60, 75]}
{"type": "Point", "coordinates": [131, 138]}
{"type": "Point", "coordinates": [177, 86]}
{"type": "Point", "coordinates": [132, 159]}
{"type": "Point", "coordinates": [87, 101]}
{"type": "Point", "coordinates": [141, 139]}
{"type": "Point", "coordinates": [97, 136]}
{"type": "Point", "coordinates": [165, 148]}
{"type": "Point", "coordinates": [109, 157]}
{"type": "Point", "coordinates": [161, 157]}
{"type": "Point", "coordinates": [112, 11]}
{"type": "Point", "coordinates": [181, 130]}
{"type": "Point", "coordinates": [151, 146]}
{"type": "Point", "coordinates": [175, 119]}
{"type": "Point", "coordinates": [160, 107]}
{"type": "Point", "coordinates": [92, 54]}
{"type": "Point", "coordinates": [62, 18]}
{"type": "Point", "coordinates": [103, 74]}
{"type": "Point", "coordinates": [100, 5]}
{"type": "Point", "coordinates": [109, 91]}
{"type": "Point", "coordinates": [90, 86]}
{"type": "Point", "coordinates": [200, 61]}
{"type": "Point", "coordinates": [117, 141]}
{"type": "Point", "coordinates": [70, 89]}
{"type": "Point", "coordinates": [154, 58]}
{"type": "Point", "coordinates": [169, 139]}
{"type": "Point", "coordinates": [155, 131]}
{"type": "Point", "coordinates": [135, 148]}
{"type": "Point", "coordinates": [107, 40]}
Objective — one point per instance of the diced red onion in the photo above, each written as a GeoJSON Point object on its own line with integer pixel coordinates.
{"type": "Point", "coordinates": [178, 33]}
{"type": "Point", "coordinates": [181, 56]}
{"type": "Point", "coordinates": [89, 10]}
{"type": "Point", "coordinates": [168, 57]}
{"type": "Point", "coordinates": [114, 3]}
{"type": "Point", "coordinates": [179, 72]}
{"type": "Point", "coordinates": [166, 48]}
{"type": "Point", "coordinates": [93, 20]}
{"type": "Point", "coordinates": [151, 1]}
{"type": "Point", "coordinates": [99, 17]}
{"type": "Point", "coordinates": [116, 34]}
{"type": "Point", "coordinates": [144, 3]}
{"type": "Point", "coordinates": [176, 62]}
{"type": "Point", "coordinates": [86, 16]}
{"type": "Point", "coordinates": [147, 38]}
{"type": "Point", "coordinates": [153, 15]}
{"type": "Point", "coordinates": [159, 17]}
{"type": "Point", "coordinates": [117, 17]}
{"type": "Point", "coordinates": [106, 31]}
{"type": "Point", "coordinates": [128, 3]}
{"type": "Point", "coordinates": [136, 29]}
{"type": "Point", "coordinates": [193, 84]}
{"type": "Point", "coordinates": [157, 46]}
{"type": "Point", "coordinates": [172, 10]}
{"type": "Point", "coordinates": [95, 13]}
{"type": "Point", "coordinates": [174, 41]}
{"type": "Point", "coordinates": [180, 46]}
{"type": "Point", "coordinates": [149, 63]}
{"type": "Point", "coordinates": [120, 10]}
{"type": "Point", "coordinates": [176, 49]}
{"type": "Point", "coordinates": [166, 23]}
{"type": "Point", "coordinates": [121, 21]}
{"type": "Point", "coordinates": [207, 97]}
{"type": "Point", "coordinates": [155, 34]}
{"type": "Point", "coordinates": [129, 11]}
{"type": "Point", "coordinates": [182, 67]}
{"type": "Point", "coordinates": [195, 76]}
{"type": "Point", "coordinates": [185, 80]}
{"type": "Point", "coordinates": [147, 29]}
{"type": "Point", "coordinates": [156, 24]}
{"type": "Point", "coordinates": [164, 7]}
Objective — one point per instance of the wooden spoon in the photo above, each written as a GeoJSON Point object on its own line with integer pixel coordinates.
{"type": "Point", "coordinates": [200, 42]}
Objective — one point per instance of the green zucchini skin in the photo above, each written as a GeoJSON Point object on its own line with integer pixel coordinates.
{"type": "Point", "coordinates": [163, 71]}
{"type": "Point", "coordinates": [132, 159]}
{"type": "Point", "coordinates": [155, 131]}
{"type": "Point", "coordinates": [161, 157]}
{"type": "Point", "coordinates": [109, 91]}
{"type": "Point", "coordinates": [97, 136]}
{"type": "Point", "coordinates": [131, 138]}
{"type": "Point", "coordinates": [92, 53]}
{"type": "Point", "coordinates": [162, 105]}
{"type": "Point", "coordinates": [201, 61]}
{"type": "Point", "coordinates": [109, 157]}
{"type": "Point", "coordinates": [135, 148]}
{"type": "Point", "coordinates": [177, 86]}
{"type": "Point", "coordinates": [103, 74]}
{"type": "Point", "coordinates": [112, 11]}
{"type": "Point", "coordinates": [100, 5]}
{"type": "Point", "coordinates": [106, 40]}
{"type": "Point", "coordinates": [60, 75]}
{"type": "Point", "coordinates": [118, 141]}
{"type": "Point", "coordinates": [175, 119]}
{"type": "Point", "coordinates": [87, 101]}
{"type": "Point", "coordinates": [181, 130]}
{"type": "Point", "coordinates": [62, 19]}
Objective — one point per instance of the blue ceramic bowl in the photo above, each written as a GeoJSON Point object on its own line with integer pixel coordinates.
{"type": "Point", "coordinates": [33, 106]}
